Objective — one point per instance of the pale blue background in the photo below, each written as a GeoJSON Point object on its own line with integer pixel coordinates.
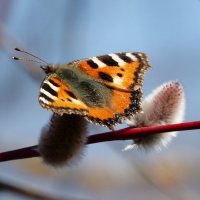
{"type": "Point", "coordinates": [64, 30]}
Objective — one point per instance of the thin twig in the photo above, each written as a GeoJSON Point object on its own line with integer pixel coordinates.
{"type": "Point", "coordinates": [28, 192]}
{"type": "Point", "coordinates": [123, 134]}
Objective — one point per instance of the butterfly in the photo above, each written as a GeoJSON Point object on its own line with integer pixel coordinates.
{"type": "Point", "coordinates": [104, 89]}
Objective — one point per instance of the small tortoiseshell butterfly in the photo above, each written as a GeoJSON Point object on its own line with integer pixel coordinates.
{"type": "Point", "coordinates": [104, 89]}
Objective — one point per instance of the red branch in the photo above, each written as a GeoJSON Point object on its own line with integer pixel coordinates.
{"type": "Point", "coordinates": [123, 134]}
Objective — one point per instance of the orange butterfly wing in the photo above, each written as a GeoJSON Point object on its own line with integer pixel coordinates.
{"type": "Point", "coordinates": [120, 70]}
{"type": "Point", "coordinates": [123, 72]}
{"type": "Point", "coordinates": [59, 98]}
{"type": "Point", "coordinates": [120, 76]}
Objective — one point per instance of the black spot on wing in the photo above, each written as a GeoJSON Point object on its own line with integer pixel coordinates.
{"type": "Point", "coordinates": [71, 94]}
{"type": "Point", "coordinates": [119, 74]}
{"type": "Point", "coordinates": [108, 60]}
{"type": "Point", "coordinates": [47, 88]}
{"type": "Point", "coordinates": [92, 64]}
{"type": "Point", "coordinates": [105, 77]}
{"type": "Point", "coordinates": [124, 57]}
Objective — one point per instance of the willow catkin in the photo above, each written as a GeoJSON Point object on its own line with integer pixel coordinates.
{"type": "Point", "coordinates": [165, 105]}
{"type": "Point", "coordinates": [63, 139]}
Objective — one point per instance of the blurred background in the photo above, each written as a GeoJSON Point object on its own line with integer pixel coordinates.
{"type": "Point", "coordinates": [64, 30]}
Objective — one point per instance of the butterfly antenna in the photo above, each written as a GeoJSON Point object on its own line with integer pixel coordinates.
{"type": "Point", "coordinates": [28, 60]}
{"type": "Point", "coordinates": [41, 61]}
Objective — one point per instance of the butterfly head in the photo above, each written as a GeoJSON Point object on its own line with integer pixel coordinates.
{"type": "Point", "coordinates": [48, 69]}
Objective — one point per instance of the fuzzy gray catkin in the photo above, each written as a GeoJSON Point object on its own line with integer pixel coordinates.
{"type": "Point", "coordinates": [63, 139]}
{"type": "Point", "coordinates": [165, 105]}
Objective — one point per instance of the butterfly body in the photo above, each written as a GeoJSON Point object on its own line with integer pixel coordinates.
{"type": "Point", "coordinates": [104, 89]}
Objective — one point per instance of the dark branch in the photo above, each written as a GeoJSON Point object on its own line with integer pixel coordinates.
{"type": "Point", "coordinates": [123, 134]}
